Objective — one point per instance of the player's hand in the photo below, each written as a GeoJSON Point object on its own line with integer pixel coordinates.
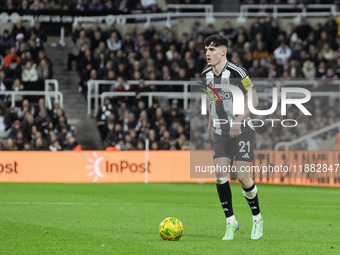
{"type": "Point", "coordinates": [211, 131]}
{"type": "Point", "coordinates": [235, 130]}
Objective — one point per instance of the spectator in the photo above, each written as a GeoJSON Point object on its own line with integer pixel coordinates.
{"type": "Point", "coordinates": [12, 61]}
{"type": "Point", "coordinates": [321, 70]}
{"type": "Point", "coordinates": [38, 30]}
{"type": "Point", "coordinates": [114, 136]}
{"type": "Point", "coordinates": [101, 49]}
{"type": "Point", "coordinates": [327, 52]}
{"type": "Point", "coordinates": [270, 31]}
{"type": "Point", "coordinates": [10, 145]}
{"type": "Point", "coordinates": [141, 43]}
{"type": "Point", "coordinates": [55, 146]}
{"type": "Point", "coordinates": [240, 41]}
{"type": "Point", "coordinates": [82, 44]}
{"type": "Point", "coordinates": [43, 70]}
{"type": "Point", "coordinates": [2, 122]}
{"type": "Point", "coordinates": [14, 130]}
{"type": "Point", "coordinates": [34, 46]}
{"type": "Point", "coordinates": [294, 69]}
{"type": "Point", "coordinates": [308, 69]}
{"type": "Point", "coordinates": [26, 57]}
{"type": "Point", "coordinates": [113, 43]}
{"type": "Point", "coordinates": [19, 141]}
{"type": "Point", "coordinates": [282, 54]}
{"type": "Point", "coordinates": [29, 73]}
{"type": "Point", "coordinates": [79, 5]}
{"type": "Point", "coordinates": [95, 5]}
{"type": "Point", "coordinates": [323, 40]}
{"type": "Point", "coordinates": [25, 108]}
{"type": "Point", "coordinates": [17, 86]}
{"type": "Point", "coordinates": [164, 141]}
{"type": "Point", "coordinates": [96, 36]}
{"type": "Point", "coordinates": [337, 67]}
{"type": "Point", "coordinates": [260, 53]}
{"type": "Point", "coordinates": [37, 5]}
{"type": "Point", "coordinates": [329, 74]}
{"type": "Point", "coordinates": [71, 142]}
{"type": "Point", "coordinates": [256, 28]}
{"type": "Point", "coordinates": [331, 28]}
{"type": "Point", "coordinates": [6, 42]}
{"type": "Point", "coordinates": [257, 71]}
{"type": "Point", "coordinates": [104, 112]}
{"type": "Point", "coordinates": [39, 143]}
{"type": "Point", "coordinates": [173, 144]}
{"type": "Point", "coordinates": [229, 31]}
{"type": "Point", "coordinates": [128, 44]}
{"type": "Point", "coordinates": [120, 86]}
{"type": "Point", "coordinates": [2, 85]}
{"type": "Point", "coordinates": [24, 5]}
{"type": "Point", "coordinates": [303, 30]}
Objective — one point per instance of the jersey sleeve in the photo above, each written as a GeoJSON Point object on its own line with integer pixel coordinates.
{"type": "Point", "coordinates": [243, 81]}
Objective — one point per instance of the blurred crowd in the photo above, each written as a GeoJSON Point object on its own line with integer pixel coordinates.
{"type": "Point", "coordinates": [29, 124]}
{"type": "Point", "coordinates": [36, 128]}
{"type": "Point", "coordinates": [112, 6]}
{"type": "Point", "coordinates": [126, 123]}
{"type": "Point", "coordinates": [324, 112]}
{"type": "Point", "coordinates": [22, 56]}
{"type": "Point", "coordinates": [267, 50]}
{"type": "Point", "coordinates": [304, 2]}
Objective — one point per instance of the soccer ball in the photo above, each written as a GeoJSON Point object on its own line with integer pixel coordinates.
{"type": "Point", "coordinates": [171, 229]}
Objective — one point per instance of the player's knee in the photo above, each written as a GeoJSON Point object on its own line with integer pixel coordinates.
{"type": "Point", "coordinates": [221, 179]}
{"type": "Point", "coordinates": [245, 181]}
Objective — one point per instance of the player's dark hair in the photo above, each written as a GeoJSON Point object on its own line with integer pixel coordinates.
{"type": "Point", "coordinates": [217, 40]}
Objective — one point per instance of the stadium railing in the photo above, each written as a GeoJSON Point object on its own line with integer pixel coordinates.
{"type": "Point", "coordinates": [285, 10]}
{"type": "Point", "coordinates": [209, 15]}
{"type": "Point", "coordinates": [208, 8]}
{"type": "Point", "coordinates": [58, 96]}
{"type": "Point", "coordinates": [115, 94]}
{"type": "Point", "coordinates": [51, 90]}
{"type": "Point", "coordinates": [150, 95]}
{"type": "Point", "coordinates": [94, 85]}
{"type": "Point", "coordinates": [286, 145]}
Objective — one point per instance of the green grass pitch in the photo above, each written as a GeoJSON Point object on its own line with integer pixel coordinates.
{"type": "Point", "coordinates": [124, 219]}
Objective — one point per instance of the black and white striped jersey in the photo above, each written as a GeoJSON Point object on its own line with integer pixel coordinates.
{"type": "Point", "coordinates": [233, 75]}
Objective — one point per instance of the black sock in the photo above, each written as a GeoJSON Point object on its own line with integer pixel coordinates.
{"type": "Point", "coordinates": [224, 193]}
{"type": "Point", "coordinates": [251, 196]}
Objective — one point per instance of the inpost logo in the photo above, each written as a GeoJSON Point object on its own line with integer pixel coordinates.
{"type": "Point", "coordinates": [95, 167]}
{"type": "Point", "coordinates": [119, 167]}
{"type": "Point", "coordinates": [8, 168]}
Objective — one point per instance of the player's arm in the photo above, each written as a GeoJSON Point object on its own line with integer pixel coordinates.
{"type": "Point", "coordinates": [211, 124]}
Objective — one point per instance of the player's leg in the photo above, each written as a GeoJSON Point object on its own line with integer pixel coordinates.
{"type": "Point", "coordinates": [223, 155]}
{"type": "Point", "coordinates": [224, 193]}
{"type": "Point", "coordinates": [250, 193]}
{"type": "Point", "coordinates": [244, 156]}
{"type": "Point", "coordinates": [223, 187]}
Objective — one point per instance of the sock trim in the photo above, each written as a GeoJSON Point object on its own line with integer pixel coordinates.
{"type": "Point", "coordinates": [250, 189]}
{"type": "Point", "coordinates": [231, 219]}
{"type": "Point", "coordinates": [257, 217]}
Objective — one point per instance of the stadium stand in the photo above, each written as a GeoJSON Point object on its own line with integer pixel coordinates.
{"type": "Point", "coordinates": [267, 49]}
{"type": "Point", "coordinates": [117, 7]}
{"type": "Point", "coordinates": [30, 124]}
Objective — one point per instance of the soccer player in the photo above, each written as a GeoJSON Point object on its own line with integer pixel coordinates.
{"type": "Point", "coordinates": [233, 141]}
